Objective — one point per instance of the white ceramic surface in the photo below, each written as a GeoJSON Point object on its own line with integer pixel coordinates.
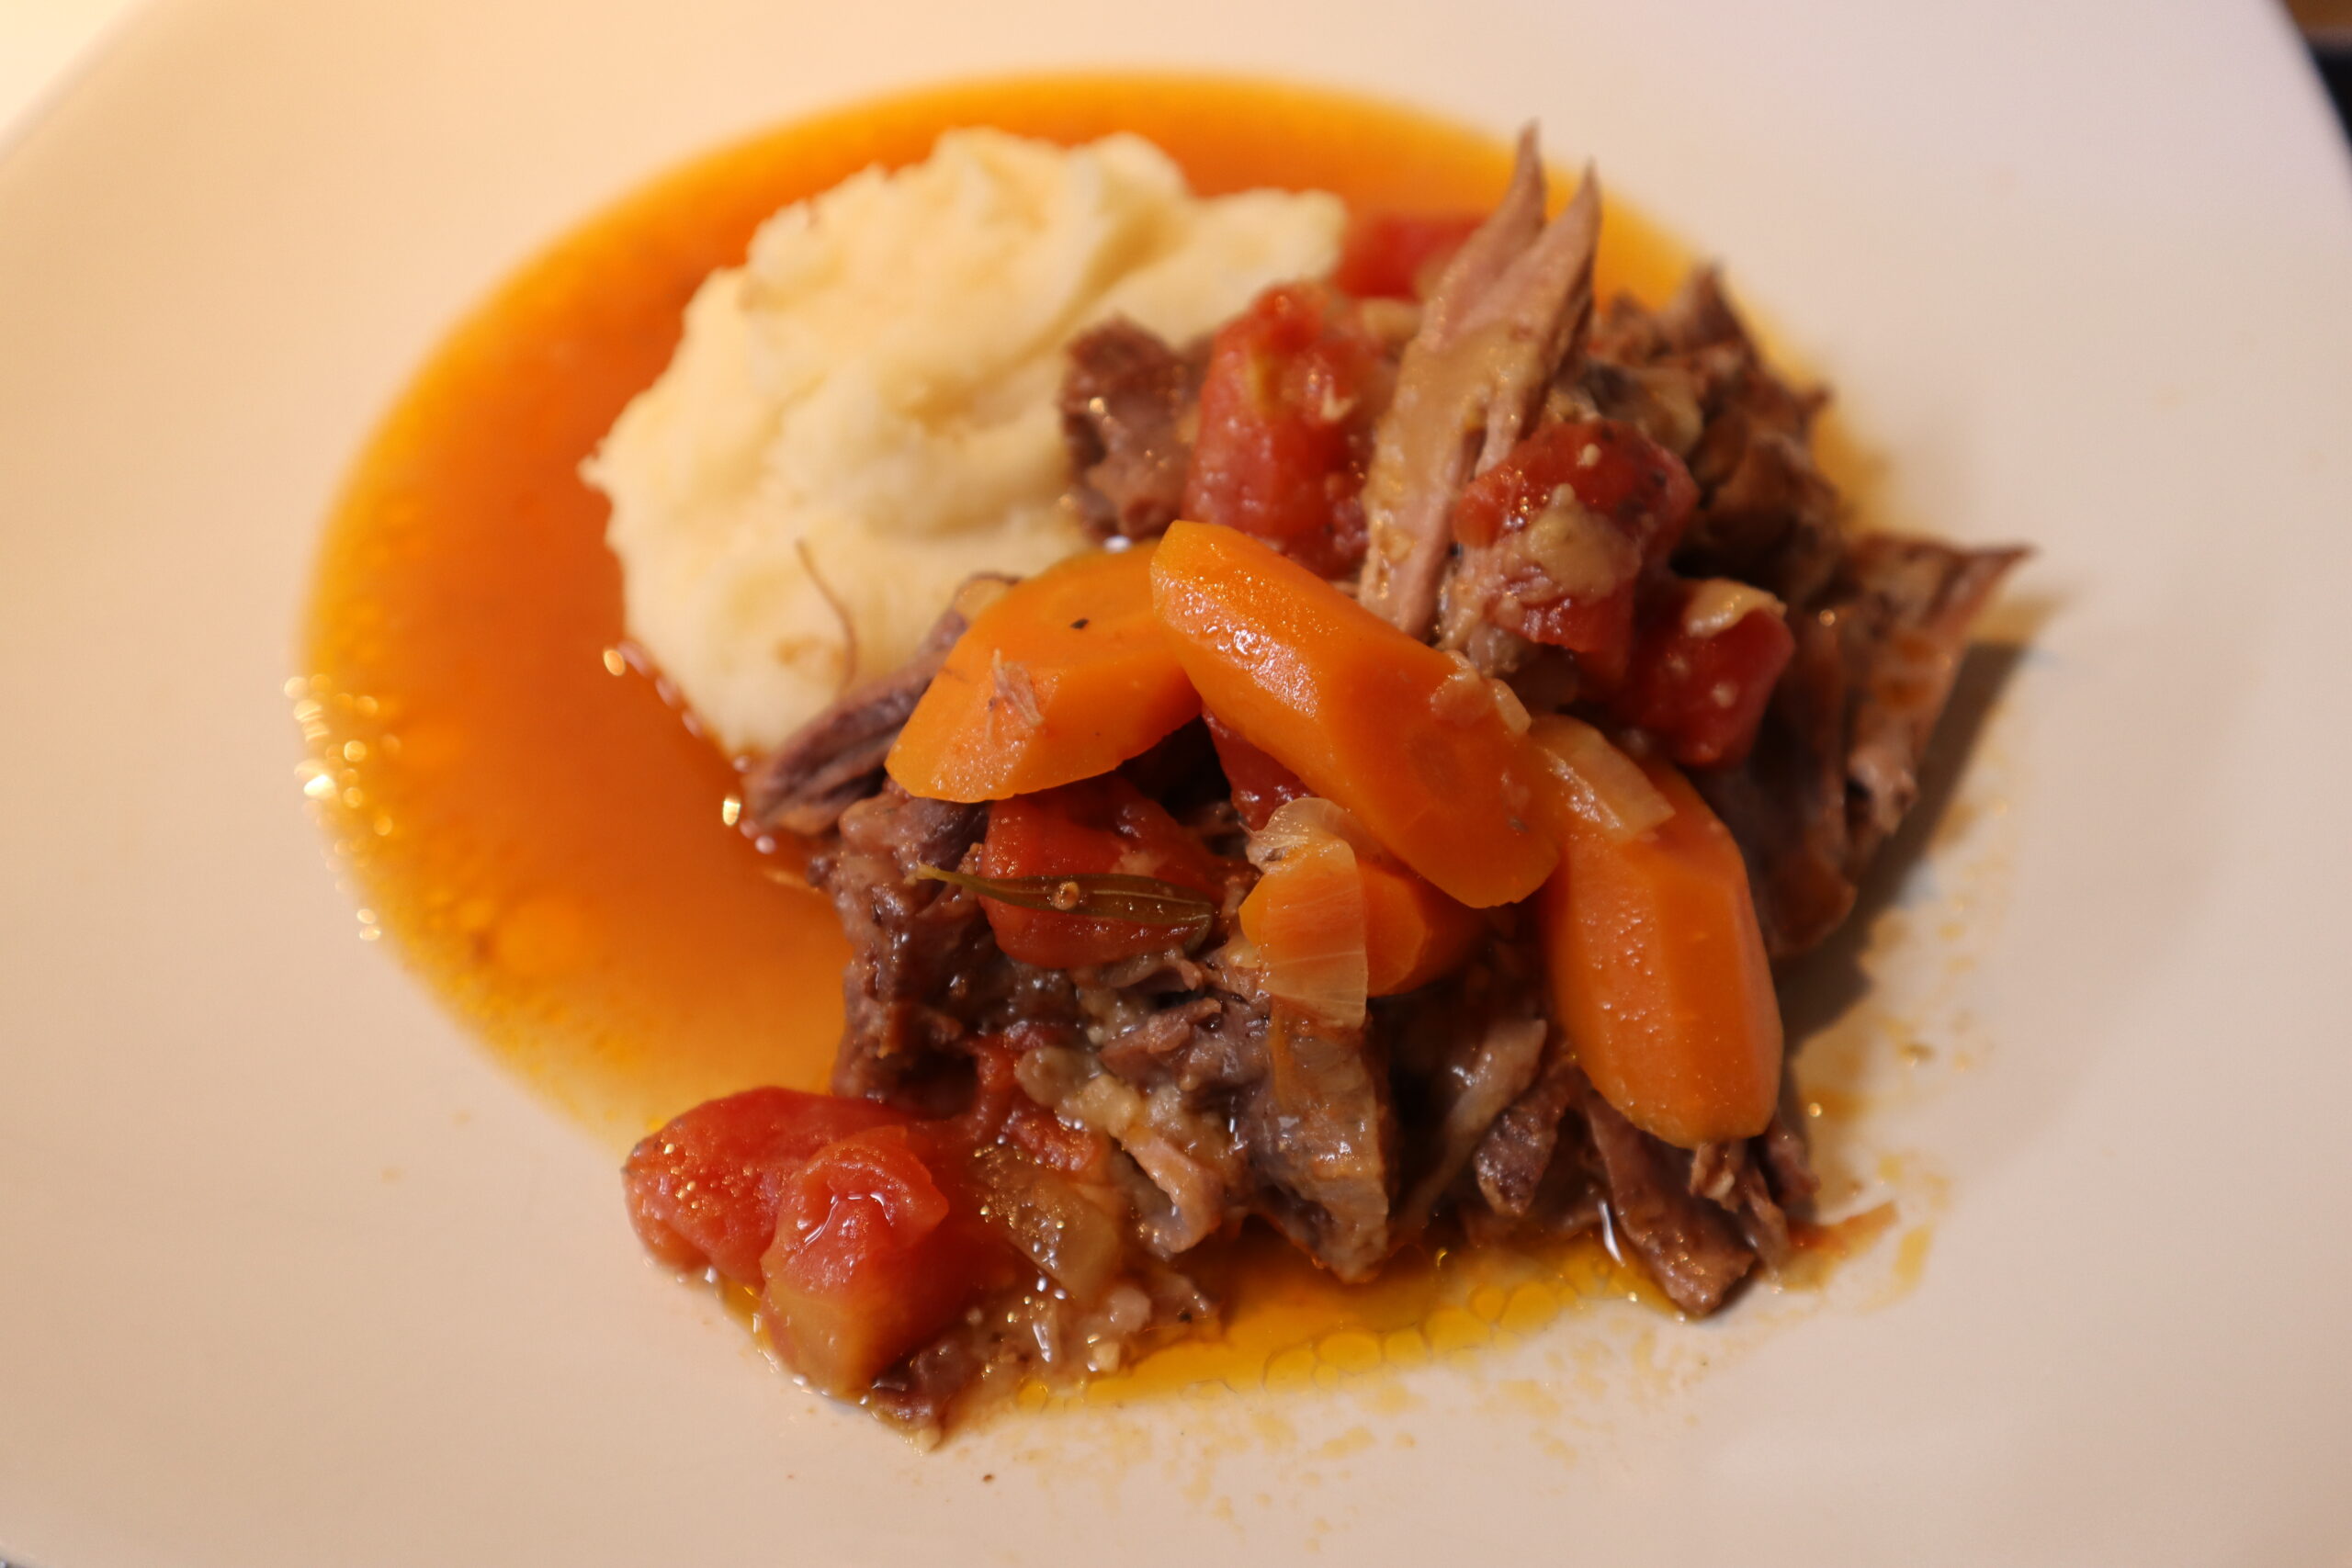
{"type": "Point", "coordinates": [41, 44]}
{"type": "Point", "coordinates": [293, 1276]}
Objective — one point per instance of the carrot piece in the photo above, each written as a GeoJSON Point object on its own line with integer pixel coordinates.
{"type": "Point", "coordinates": [1412, 933]}
{"type": "Point", "coordinates": [1064, 677]}
{"type": "Point", "coordinates": [1658, 971]}
{"type": "Point", "coordinates": [1407, 739]}
{"type": "Point", "coordinates": [1305, 918]}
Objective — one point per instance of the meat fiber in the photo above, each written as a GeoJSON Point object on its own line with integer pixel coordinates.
{"type": "Point", "coordinates": [835, 759]}
{"type": "Point", "coordinates": [1129, 403]}
{"type": "Point", "coordinates": [1503, 316]}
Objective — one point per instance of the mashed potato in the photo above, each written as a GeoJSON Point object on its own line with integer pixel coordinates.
{"type": "Point", "coordinates": [863, 414]}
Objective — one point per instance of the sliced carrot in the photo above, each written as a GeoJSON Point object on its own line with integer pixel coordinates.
{"type": "Point", "coordinates": [1064, 677]}
{"type": "Point", "coordinates": [1412, 933]}
{"type": "Point", "coordinates": [1402, 736]}
{"type": "Point", "coordinates": [1305, 918]}
{"type": "Point", "coordinates": [1658, 971]}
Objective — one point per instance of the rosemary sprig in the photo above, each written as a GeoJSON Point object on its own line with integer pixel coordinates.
{"type": "Point", "coordinates": [1093, 895]}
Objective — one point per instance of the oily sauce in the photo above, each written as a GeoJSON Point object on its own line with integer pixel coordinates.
{"type": "Point", "coordinates": [543, 833]}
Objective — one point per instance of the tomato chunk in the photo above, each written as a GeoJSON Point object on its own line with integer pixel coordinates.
{"type": "Point", "coordinates": [872, 1258]}
{"type": "Point", "coordinates": [1704, 670]}
{"type": "Point", "coordinates": [703, 1189]}
{"type": "Point", "coordinates": [847, 1215]}
{"type": "Point", "coordinates": [1398, 255]}
{"type": "Point", "coordinates": [1286, 426]}
{"type": "Point", "coordinates": [1104, 825]}
{"type": "Point", "coordinates": [1572, 521]}
{"type": "Point", "coordinates": [1260, 784]}
{"type": "Point", "coordinates": [1001, 1112]}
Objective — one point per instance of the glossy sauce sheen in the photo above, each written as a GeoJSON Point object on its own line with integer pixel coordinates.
{"type": "Point", "coordinates": [546, 838]}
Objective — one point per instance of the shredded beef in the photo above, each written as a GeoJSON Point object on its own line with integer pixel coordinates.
{"type": "Point", "coordinates": [1687, 1244]}
{"type": "Point", "coordinates": [1785, 806]}
{"type": "Point", "coordinates": [1179, 1165]}
{"type": "Point", "coordinates": [1837, 759]}
{"type": "Point", "coordinates": [835, 759]}
{"type": "Point", "coordinates": [1321, 1138]}
{"type": "Point", "coordinates": [1690, 377]}
{"type": "Point", "coordinates": [1782, 1150]}
{"type": "Point", "coordinates": [910, 941]}
{"type": "Point", "coordinates": [1727, 1175]}
{"type": "Point", "coordinates": [1463, 1050]}
{"type": "Point", "coordinates": [1128, 405]}
{"type": "Point", "coordinates": [1135, 1052]}
{"type": "Point", "coordinates": [1504, 312]}
{"type": "Point", "coordinates": [1904, 625]}
{"type": "Point", "coordinates": [1512, 1159]}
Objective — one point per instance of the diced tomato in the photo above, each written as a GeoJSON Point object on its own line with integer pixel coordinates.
{"type": "Point", "coordinates": [872, 1257]}
{"type": "Point", "coordinates": [1260, 784]}
{"type": "Point", "coordinates": [1574, 577]}
{"type": "Point", "coordinates": [1104, 825]}
{"type": "Point", "coordinates": [1397, 255]}
{"type": "Point", "coordinates": [1001, 1112]}
{"type": "Point", "coordinates": [844, 1214]}
{"type": "Point", "coordinates": [1055, 1144]}
{"type": "Point", "coordinates": [1703, 692]}
{"type": "Point", "coordinates": [703, 1189]}
{"type": "Point", "coordinates": [1286, 426]}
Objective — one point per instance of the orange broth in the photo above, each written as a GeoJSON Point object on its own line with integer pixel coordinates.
{"type": "Point", "coordinates": [548, 838]}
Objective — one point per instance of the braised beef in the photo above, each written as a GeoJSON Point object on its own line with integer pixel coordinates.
{"type": "Point", "coordinates": [835, 759]}
{"type": "Point", "coordinates": [1459, 1099]}
{"type": "Point", "coordinates": [1688, 1245]}
{"type": "Point", "coordinates": [1836, 763]}
{"type": "Point", "coordinates": [1690, 377]}
{"type": "Point", "coordinates": [1504, 313]}
{"type": "Point", "coordinates": [910, 941]}
{"type": "Point", "coordinates": [1462, 1052]}
{"type": "Point", "coordinates": [1512, 1159]}
{"type": "Point", "coordinates": [1785, 805]}
{"type": "Point", "coordinates": [1128, 405]}
{"type": "Point", "coordinates": [1320, 1133]}
{"type": "Point", "coordinates": [1905, 622]}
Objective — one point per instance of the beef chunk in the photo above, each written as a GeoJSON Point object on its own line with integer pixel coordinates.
{"type": "Point", "coordinates": [1128, 403]}
{"type": "Point", "coordinates": [1687, 1244]}
{"type": "Point", "coordinates": [1837, 759]}
{"type": "Point", "coordinates": [1512, 1160]}
{"type": "Point", "coordinates": [835, 759]}
{"type": "Point", "coordinates": [1691, 378]}
{"type": "Point", "coordinates": [1905, 623]}
{"type": "Point", "coordinates": [1786, 804]}
{"type": "Point", "coordinates": [913, 945]}
{"type": "Point", "coordinates": [1505, 314]}
{"type": "Point", "coordinates": [1321, 1138]}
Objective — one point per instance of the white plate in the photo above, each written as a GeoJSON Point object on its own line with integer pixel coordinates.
{"type": "Point", "coordinates": [294, 1275]}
